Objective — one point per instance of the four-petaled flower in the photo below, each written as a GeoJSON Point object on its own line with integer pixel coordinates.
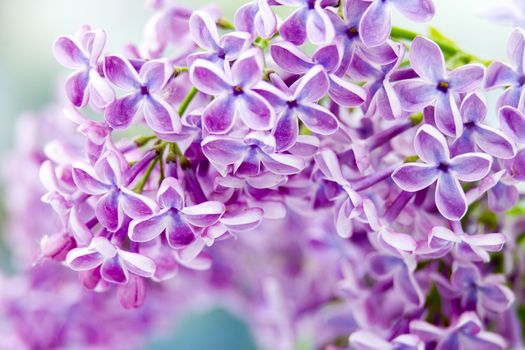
{"type": "Point", "coordinates": [179, 221]}
{"type": "Point", "coordinates": [432, 148]}
{"type": "Point", "coordinates": [435, 86]}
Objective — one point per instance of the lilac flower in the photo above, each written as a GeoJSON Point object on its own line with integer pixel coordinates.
{"type": "Point", "coordinates": [292, 60]}
{"type": "Point", "coordinates": [466, 247]}
{"type": "Point", "coordinates": [366, 340]}
{"type": "Point", "coordinates": [204, 32]}
{"type": "Point", "coordinates": [476, 292]}
{"type": "Point", "coordinates": [116, 264]}
{"type": "Point", "coordinates": [399, 268]}
{"type": "Point", "coordinates": [347, 37]}
{"type": "Point", "coordinates": [310, 21]}
{"type": "Point", "coordinates": [180, 222]}
{"type": "Point", "coordinates": [82, 54]}
{"type": "Point", "coordinates": [466, 333]}
{"type": "Point", "coordinates": [144, 95]}
{"type": "Point", "coordinates": [500, 74]}
{"type": "Point", "coordinates": [256, 17]}
{"type": "Point", "coordinates": [512, 123]}
{"type": "Point", "coordinates": [254, 155]}
{"type": "Point", "coordinates": [431, 147]}
{"type": "Point", "coordinates": [437, 87]}
{"type": "Point", "coordinates": [107, 181]}
{"type": "Point", "coordinates": [299, 101]}
{"type": "Point", "coordinates": [375, 26]}
{"type": "Point", "coordinates": [490, 140]}
{"type": "Point", "coordinates": [234, 95]}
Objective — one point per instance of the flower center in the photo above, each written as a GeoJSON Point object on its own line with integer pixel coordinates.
{"type": "Point", "coordinates": [237, 90]}
{"type": "Point", "coordinates": [443, 86]}
{"type": "Point", "coordinates": [352, 32]}
{"type": "Point", "coordinates": [521, 80]}
{"type": "Point", "coordinates": [144, 90]}
{"type": "Point", "coordinates": [443, 167]}
{"type": "Point", "coordinates": [221, 54]}
{"type": "Point", "coordinates": [292, 104]}
{"type": "Point", "coordinates": [311, 4]}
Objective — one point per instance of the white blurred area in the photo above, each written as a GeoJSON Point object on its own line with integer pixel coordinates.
{"type": "Point", "coordinates": [28, 72]}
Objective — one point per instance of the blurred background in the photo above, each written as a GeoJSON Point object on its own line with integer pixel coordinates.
{"type": "Point", "coordinates": [29, 76]}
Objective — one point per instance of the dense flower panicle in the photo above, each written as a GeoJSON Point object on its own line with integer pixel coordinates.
{"type": "Point", "coordinates": [351, 191]}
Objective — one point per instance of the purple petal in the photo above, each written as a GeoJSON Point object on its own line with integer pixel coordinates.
{"type": "Point", "coordinates": [312, 86]}
{"type": "Point", "coordinates": [208, 78]}
{"type": "Point", "coordinates": [69, 54]}
{"type": "Point", "coordinates": [400, 241]}
{"type": "Point", "coordinates": [447, 116]}
{"type": "Point", "coordinates": [466, 78]}
{"type": "Point", "coordinates": [470, 166]}
{"type": "Point", "coordinates": [450, 198]}
{"type": "Point", "coordinates": [100, 92]}
{"type": "Point", "coordinates": [179, 233]}
{"type": "Point", "coordinates": [121, 73]}
{"type": "Point", "coordinates": [492, 242]}
{"type": "Point", "coordinates": [76, 88]}
{"type": "Point", "coordinates": [203, 30]}
{"type": "Point", "coordinates": [499, 74]}
{"type": "Point", "coordinates": [328, 56]}
{"type": "Point", "coordinates": [502, 197]}
{"type": "Point", "coordinates": [108, 212]}
{"type": "Point", "coordinates": [133, 294]}
{"type": "Point", "coordinates": [430, 145]}
{"type": "Point", "coordinates": [245, 16]}
{"type": "Point", "coordinates": [416, 10]}
{"type": "Point", "coordinates": [203, 214]}
{"type": "Point", "coordinates": [83, 259]}
{"type": "Point", "coordinates": [415, 94]}
{"type": "Point", "coordinates": [155, 75]}
{"type": "Point", "coordinates": [171, 194]}
{"type": "Point", "coordinates": [286, 130]}
{"type": "Point", "coordinates": [512, 123]}
{"type": "Point", "coordinates": [136, 206]}
{"type": "Point", "coordinates": [365, 340]}
{"type": "Point", "coordinates": [218, 117]}
{"type": "Point", "coordinates": [318, 119]}
{"type": "Point", "coordinates": [293, 29]}
{"type": "Point", "coordinates": [246, 220]}
{"type": "Point", "coordinates": [319, 28]}
{"type": "Point", "coordinates": [345, 93]}
{"type": "Point", "coordinates": [414, 177]}
{"type": "Point", "coordinates": [113, 271]}
{"type": "Point", "coordinates": [406, 285]}
{"type": "Point", "coordinates": [375, 24]}
{"type": "Point", "coordinates": [234, 44]}
{"type": "Point", "coordinates": [146, 230]}
{"type": "Point", "coordinates": [290, 58]}
{"type": "Point", "coordinates": [383, 265]}
{"type": "Point", "coordinates": [222, 150]}
{"type": "Point", "coordinates": [283, 164]}
{"type": "Point", "coordinates": [516, 49]}
{"type": "Point", "coordinates": [247, 70]}
{"type": "Point", "coordinates": [464, 275]}
{"type": "Point", "coordinates": [256, 112]}
{"type": "Point", "coordinates": [160, 116]}
{"type": "Point", "coordinates": [427, 60]}
{"type": "Point", "coordinates": [473, 108]}
{"type": "Point", "coordinates": [138, 264]}
{"type": "Point", "coordinates": [120, 113]}
{"type": "Point", "coordinates": [496, 298]}
{"type": "Point", "coordinates": [86, 180]}
{"type": "Point", "coordinates": [265, 20]}
{"type": "Point", "coordinates": [494, 142]}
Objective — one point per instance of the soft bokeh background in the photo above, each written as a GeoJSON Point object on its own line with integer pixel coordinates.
{"type": "Point", "coordinates": [29, 74]}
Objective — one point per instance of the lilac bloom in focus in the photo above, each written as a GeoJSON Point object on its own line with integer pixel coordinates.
{"type": "Point", "coordinates": [435, 86]}
{"type": "Point", "coordinates": [511, 77]}
{"type": "Point", "coordinates": [116, 264]}
{"type": "Point", "coordinates": [251, 156]}
{"type": "Point", "coordinates": [490, 140]}
{"type": "Point", "coordinates": [82, 55]}
{"type": "Point", "coordinates": [234, 95]}
{"type": "Point", "coordinates": [376, 24]}
{"type": "Point", "coordinates": [178, 220]}
{"type": "Point", "coordinates": [466, 334]}
{"type": "Point", "coordinates": [204, 32]}
{"type": "Point", "coordinates": [293, 60]}
{"type": "Point", "coordinates": [107, 180]}
{"type": "Point", "coordinates": [144, 95]}
{"type": "Point", "coordinates": [310, 21]}
{"type": "Point", "coordinates": [256, 17]}
{"type": "Point", "coordinates": [432, 148]}
{"type": "Point", "coordinates": [299, 101]}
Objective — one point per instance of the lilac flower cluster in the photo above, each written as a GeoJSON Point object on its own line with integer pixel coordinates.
{"type": "Point", "coordinates": [355, 188]}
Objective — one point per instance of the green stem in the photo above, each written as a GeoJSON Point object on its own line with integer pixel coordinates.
{"type": "Point", "coordinates": [184, 162]}
{"type": "Point", "coordinates": [140, 186]}
{"type": "Point", "coordinates": [178, 70]}
{"type": "Point", "coordinates": [447, 48]}
{"type": "Point", "coordinates": [186, 102]}
{"type": "Point", "coordinates": [225, 24]}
